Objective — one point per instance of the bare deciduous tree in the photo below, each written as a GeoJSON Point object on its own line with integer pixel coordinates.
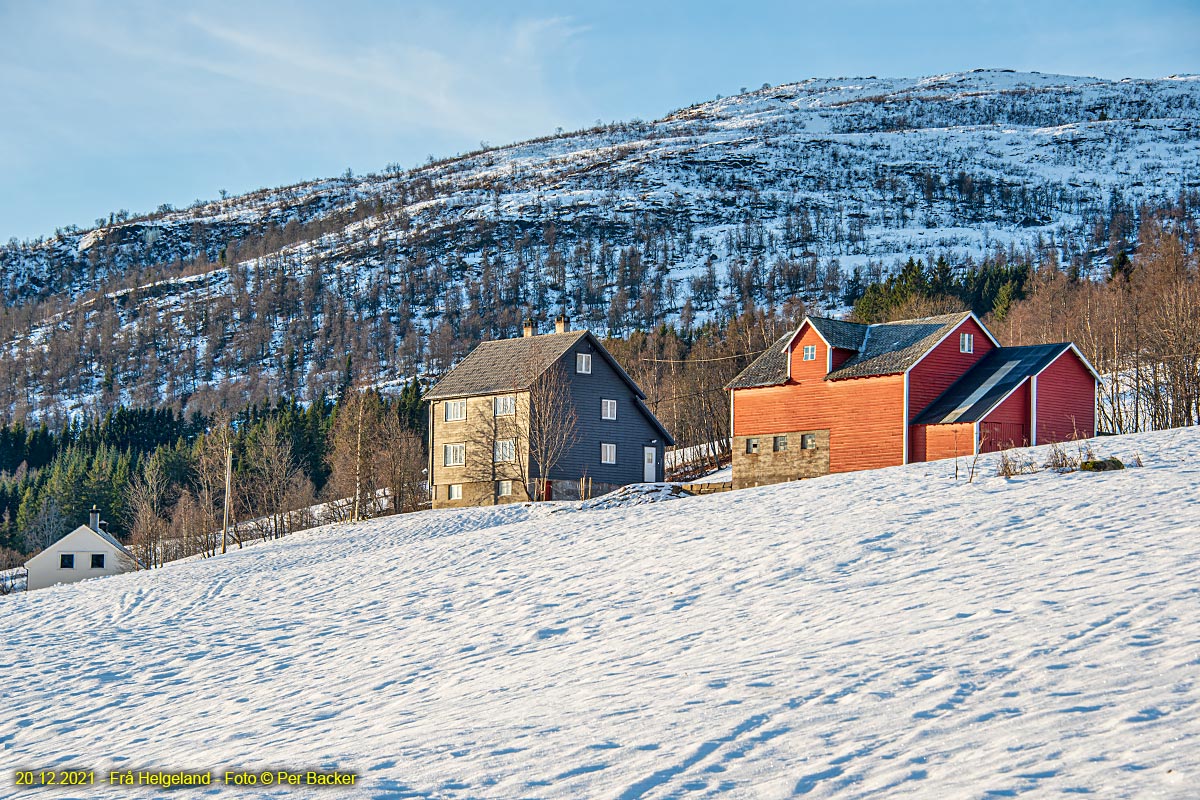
{"type": "Point", "coordinates": [551, 427]}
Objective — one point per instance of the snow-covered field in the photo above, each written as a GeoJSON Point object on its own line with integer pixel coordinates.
{"type": "Point", "coordinates": [882, 634]}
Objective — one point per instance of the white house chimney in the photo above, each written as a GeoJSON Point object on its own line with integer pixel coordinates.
{"type": "Point", "coordinates": [529, 328]}
{"type": "Point", "coordinates": [94, 519]}
{"type": "Point", "coordinates": [560, 323]}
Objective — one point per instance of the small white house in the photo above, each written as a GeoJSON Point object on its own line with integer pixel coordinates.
{"type": "Point", "coordinates": [86, 552]}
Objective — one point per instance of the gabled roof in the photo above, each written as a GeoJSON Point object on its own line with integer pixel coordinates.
{"type": "Point", "coordinates": [989, 382]}
{"type": "Point", "coordinates": [105, 535]}
{"type": "Point", "coordinates": [892, 347]}
{"type": "Point", "coordinates": [512, 365]}
{"type": "Point", "coordinates": [882, 349]}
{"type": "Point", "coordinates": [507, 365]}
{"type": "Point", "coordinates": [844, 335]}
{"type": "Point", "coordinates": [769, 369]}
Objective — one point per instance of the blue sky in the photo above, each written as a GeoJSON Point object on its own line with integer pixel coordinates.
{"type": "Point", "coordinates": [111, 105]}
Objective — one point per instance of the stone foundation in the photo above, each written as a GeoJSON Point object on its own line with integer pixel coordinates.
{"type": "Point", "coordinates": [771, 465]}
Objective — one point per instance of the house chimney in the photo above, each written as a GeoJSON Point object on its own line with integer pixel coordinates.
{"type": "Point", "coordinates": [529, 327]}
{"type": "Point", "coordinates": [94, 519]}
{"type": "Point", "coordinates": [560, 323]}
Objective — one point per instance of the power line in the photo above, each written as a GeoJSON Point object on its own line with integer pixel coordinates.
{"type": "Point", "coordinates": [701, 360]}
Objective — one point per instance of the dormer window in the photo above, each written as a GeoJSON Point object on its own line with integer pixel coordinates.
{"type": "Point", "coordinates": [810, 352]}
{"type": "Point", "coordinates": [966, 343]}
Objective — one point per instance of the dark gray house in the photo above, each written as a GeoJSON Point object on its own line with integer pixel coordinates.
{"type": "Point", "coordinates": [544, 417]}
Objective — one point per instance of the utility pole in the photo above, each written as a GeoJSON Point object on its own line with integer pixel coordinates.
{"type": "Point", "coordinates": [358, 458]}
{"type": "Point", "coordinates": [228, 485]}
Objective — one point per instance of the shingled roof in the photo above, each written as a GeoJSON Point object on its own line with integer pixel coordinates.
{"type": "Point", "coordinates": [769, 369]}
{"type": "Point", "coordinates": [846, 335]}
{"type": "Point", "coordinates": [512, 365]}
{"type": "Point", "coordinates": [892, 347]}
{"type": "Point", "coordinates": [505, 365]}
{"type": "Point", "coordinates": [986, 384]}
{"type": "Point", "coordinates": [882, 349]}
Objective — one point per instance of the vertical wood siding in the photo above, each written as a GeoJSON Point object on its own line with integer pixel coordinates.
{"type": "Point", "coordinates": [931, 442]}
{"type": "Point", "coordinates": [1066, 401]}
{"type": "Point", "coordinates": [1008, 423]}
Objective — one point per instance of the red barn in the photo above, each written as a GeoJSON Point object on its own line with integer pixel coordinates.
{"type": "Point", "coordinates": [837, 396]}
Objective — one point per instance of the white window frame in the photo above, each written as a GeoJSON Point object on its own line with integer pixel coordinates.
{"type": "Point", "coordinates": [583, 363]}
{"type": "Point", "coordinates": [504, 450]}
{"type": "Point", "coordinates": [752, 445]}
{"type": "Point", "coordinates": [454, 491]}
{"type": "Point", "coordinates": [504, 488]}
{"type": "Point", "coordinates": [608, 408]}
{"type": "Point", "coordinates": [454, 455]}
{"type": "Point", "coordinates": [459, 412]}
{"type": "Point", "coordinates": [810, 352]}
{"type": "Point", "coordinates": [504, 405]}
{"type": "Point", "coordinates": [966, 343]}
{"type": "Point", "coordinates": [608, 453]}
{"type": "Point", "coordinates": [806, 439]}
{"type": "Point", "coordinates": [775, 442]}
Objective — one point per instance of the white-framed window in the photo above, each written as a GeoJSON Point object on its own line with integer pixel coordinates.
{"type": "Point", "coordinates": [505, 450]}
{"type": "Point", "coordinates": [505, 405]}
{"type": "Point", "coordinates": [966, 343]}
{"type": "Point", "coordinates": [779, 443]}
{"type": "Point", "coordinates": [454, 455]}
{"type": "Point", "coordinates": [808, 441]}
{"type": "Point", "coordinates": [583, 363]}
{"type": "Point", "coordinates": [751, 445]}
{"type": "Point", "coordinates": [456, 410]}
{"type": "Point", "coordinates": [455, 491]}
{"type": "Point", "coordinates": [503, 488]}
{"type": "Point", "coordinates": [608, 453]}
{"type": "Point", "coordinates": [97, 560]}
{"type": "Point", "coordinates": [608, 409]}
{"type": "Point", "coordinates": [810, 352]}
{"type": "Point", "coordinates": [66, 561]}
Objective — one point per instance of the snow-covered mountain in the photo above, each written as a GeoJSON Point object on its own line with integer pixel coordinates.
{"type": "Point", "coordinates": [894, 633]}
{"type": "Point", "coordinates": [753, 199]}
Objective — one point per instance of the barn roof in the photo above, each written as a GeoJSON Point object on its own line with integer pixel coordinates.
{"type": "Point", "coordinates": [882, 349]}
{"type": "Point", "coordinates": [769, 369]}
{"type": "Point", "coordinates": [846, 335]}
{"type": "Point", "coordinates": [985, 385]}
{"type": "Point", "coordinates": [892, 347]}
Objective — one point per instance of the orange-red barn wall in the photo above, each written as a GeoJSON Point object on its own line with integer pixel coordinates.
{"type": "Point", "coordinates": [1066, 401]}
{"type": "Point", "coordinates": [931, 442]}
{"type": "Point", "coordinates": [809, 370]}
{"type": "Point", "coordinates": [943, 366]}
{"type": "Point", "coordinates": [863, 417]}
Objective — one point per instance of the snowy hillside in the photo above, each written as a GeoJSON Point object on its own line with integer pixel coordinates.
{"type": "Point", "coordinates": [882, 634]}
{"type": "Point", "coordinates": [774, 194]}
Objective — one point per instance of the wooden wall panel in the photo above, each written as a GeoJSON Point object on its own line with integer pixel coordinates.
{"type": "Point", "coordinates": [943, 366]}
{"type": "Point", "coordinates": [1066, 401]}
{"type": "Point", "coordinates": [864, 417]}
{"type": "Point", "coordinates": [944, 441]}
